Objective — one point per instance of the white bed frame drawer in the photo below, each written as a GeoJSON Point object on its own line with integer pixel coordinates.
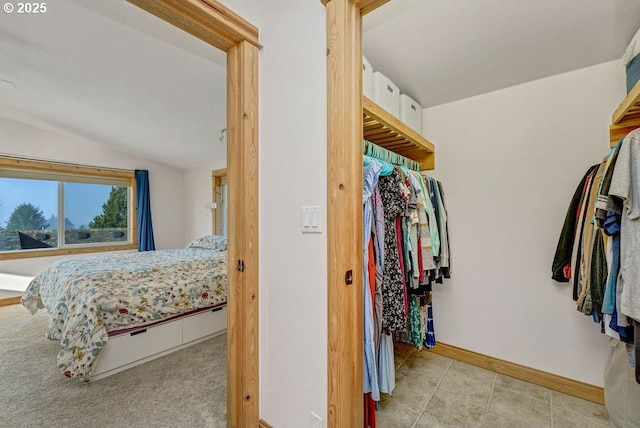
{"type": "Point", "coordinates": [129, 350]}
{"type": "Point", "coordinates": [138, 345]}
{"type": "Point", "coordinates": [203, 324]}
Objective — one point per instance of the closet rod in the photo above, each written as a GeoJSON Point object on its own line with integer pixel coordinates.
{"type": "Point", "coordinates": [375, 151]}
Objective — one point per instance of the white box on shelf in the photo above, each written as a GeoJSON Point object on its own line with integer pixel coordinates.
{"type": "Point", "coordinates": [386, 94]}
{"type": "Point", "coordinates": [367, 78]}
{"type": "Point", "coordinates": [411, 113]}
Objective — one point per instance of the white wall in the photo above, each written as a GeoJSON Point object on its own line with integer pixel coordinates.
{"type": "Point", "coordinates": [293, 266]}
{"type": "Point", "coordinates": [249, 10]}
{"type": "Point", "coordinates": [197, 181]}
{"type": "Point", "coordinates": [510, 161]}
{"type": "Point", "coordinates": [198, 191]}
{"type": "Point", "coordinates": [166, 183]}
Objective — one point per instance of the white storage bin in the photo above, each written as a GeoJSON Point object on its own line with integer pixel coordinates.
{"type": "Point", "coordinates": [411, 113]}
{"type": "Point", "coordinates": [367, 78]}
{"type": "Point", "coordinates": [128, 348]}
{"type": "Point", "coordinates": [197, 326]}
{"type": "Point", "coordinates": [386, 94]}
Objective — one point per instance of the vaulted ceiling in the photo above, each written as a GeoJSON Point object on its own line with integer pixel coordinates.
{"type": "Point", "coordinates": [112, 73]}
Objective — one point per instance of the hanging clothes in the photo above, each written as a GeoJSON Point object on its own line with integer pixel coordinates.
{"type": "Point", "coordinates": [430, 341]}
{"type": "Point", "coordinates": [445, 255]}
{"type": "Point", "coordinates": [392, 292]}
{"type": "Point", "coordinates": [378, 236]}
{"type": "Point", "coordinates": [625, 184]}
{"type": "Point", "coordinates": [371, 174]}
{"type": "Point", "coordinates": [405, 248]}
{"type": "Point", "coordinates": [386, 364]}
{"type": "Point", "coordinates": [369, 411]}
{"type": "Point", "coordinates": [561, 267]}
{"type": "Point", "coordinates": [591, 249]}
{"type": "Point", "coordinates": [604, 219]}
{"type": "Point", "coordinates": [577, 258]}
{"type": "Point", "coordinates": [425, 232]}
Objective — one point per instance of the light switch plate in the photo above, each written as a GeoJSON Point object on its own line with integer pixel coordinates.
{"type": "Point", "coordinates": [311, 219]}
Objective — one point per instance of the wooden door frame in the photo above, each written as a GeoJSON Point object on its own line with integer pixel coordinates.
{"type": "Point", "coordinates": [219, 26]}
{"type": "Point", "coordinates": [344, 210]}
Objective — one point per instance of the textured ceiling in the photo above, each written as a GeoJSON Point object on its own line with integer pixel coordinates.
{"type": "Point", "coordinates": [112, 73]}
{"type": "Point", "coordinates": [438, 51]}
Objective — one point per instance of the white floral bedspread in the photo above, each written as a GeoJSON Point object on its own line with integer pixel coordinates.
{"type": "Point", "coordinates": [90, 296]}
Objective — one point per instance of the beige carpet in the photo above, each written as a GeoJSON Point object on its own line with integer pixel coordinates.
{"type": "Point", "coordinates": [183, 389]}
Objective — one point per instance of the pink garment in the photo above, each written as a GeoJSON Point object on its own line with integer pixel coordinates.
{"type": "Point", "coordinates": [401, 258]}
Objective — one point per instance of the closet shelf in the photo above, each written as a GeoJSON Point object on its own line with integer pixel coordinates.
{"type": "Point", "coordinates": [626, 118]}
{"type": "Point", "coordinates": [380, 127]}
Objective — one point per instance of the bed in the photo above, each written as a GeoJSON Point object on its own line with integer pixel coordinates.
{"type": "Point", "coordinates": [113, 311]}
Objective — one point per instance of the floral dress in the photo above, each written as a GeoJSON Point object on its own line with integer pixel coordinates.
{"type": "Point", "coordinates": [392, 289]}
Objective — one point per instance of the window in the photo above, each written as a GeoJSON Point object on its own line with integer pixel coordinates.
{"type": "Point", "coordinates": [51, 208]}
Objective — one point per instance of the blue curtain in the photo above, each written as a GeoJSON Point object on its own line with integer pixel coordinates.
{"type": "Point", "coordinates": [145, 228]}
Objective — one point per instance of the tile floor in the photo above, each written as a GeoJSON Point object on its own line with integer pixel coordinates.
{"type": "Point", "coordinates": [436, 391]}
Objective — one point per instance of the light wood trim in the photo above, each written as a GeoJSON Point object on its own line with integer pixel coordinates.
{"type": "Point", "coordinates": [618, 131]}
{"type": "Point", "coordinates": [217, 177]}
{"type": "Point", "coordinates": [234, 247]}
{"type": "Point", "coordinates": [367, 6]}
{"type": "Point", "coordinates": [215, 24]}
{"type": "Point", "coordinates": [629, 105]}
{"type": "Point", "coordinates": [10, 301]}
{"type": "Point", "coordinates": [387, 131]}
{"type": "Point", "coordinates": [242, 181]}
{"type": "Point", "coordinates": [626, 118]}
{"type": "Point", "coordinates": [64, 168]}
{"type": "Point", "coordinates": [263, 424]}
{"type": "Point", "coordinates": [68, 251]}
{"type": "Point", "coordinates": [528, 374]}
{"type": "Point", "coordinates": [208, 20]}
{"type": "Point", "coordinates": [219, 173]}
{"type": "Point", "coordinates": [344, 213]}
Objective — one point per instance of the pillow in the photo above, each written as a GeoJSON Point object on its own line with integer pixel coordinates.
{"type": "Point", "coordinates": [210, 242]}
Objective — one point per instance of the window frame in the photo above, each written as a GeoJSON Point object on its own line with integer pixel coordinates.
{"type": "Point", "coordinates": [53, 168]}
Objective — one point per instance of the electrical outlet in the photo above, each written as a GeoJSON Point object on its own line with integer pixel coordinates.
{"type": "Point", "coordinates": [316, 421]}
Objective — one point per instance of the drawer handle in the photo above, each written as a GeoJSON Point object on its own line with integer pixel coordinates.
{"type": "Point", "coordinates": [139, 332]}
{"type": "Point", "coordinates": [216, 309]}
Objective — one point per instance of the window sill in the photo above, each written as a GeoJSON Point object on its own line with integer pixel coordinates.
{"type": "Point", "coordinates": [65, 251]}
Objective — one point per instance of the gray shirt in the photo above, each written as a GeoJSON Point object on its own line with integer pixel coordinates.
{"type": "Point", "coordinates": [625, 184]}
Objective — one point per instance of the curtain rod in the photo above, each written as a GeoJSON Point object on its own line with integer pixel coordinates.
{"type": "Point", "coordinates": [375, 151]}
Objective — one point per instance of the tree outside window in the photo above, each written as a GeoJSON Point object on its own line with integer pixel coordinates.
{"type": "Point", "coordinates": [27, 217]}
{"type": "Point", "coordinates": [114, 211]}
